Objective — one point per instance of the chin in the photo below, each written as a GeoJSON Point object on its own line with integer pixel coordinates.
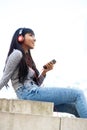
{"type": "Point", "coordinates": [32, 48]}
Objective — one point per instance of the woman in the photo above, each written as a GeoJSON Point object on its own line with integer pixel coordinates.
{"type": "Point", "coordinates": [26, 80]}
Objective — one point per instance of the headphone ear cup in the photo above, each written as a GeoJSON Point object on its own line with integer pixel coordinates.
{"type": "Point", "coordinates": [20, 38]}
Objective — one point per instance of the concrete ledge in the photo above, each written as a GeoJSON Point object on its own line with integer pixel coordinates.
{"type": "Point", "coordinates": [26, 107]}
{"type": "Point", "coordinates": [16, 121]}
{"type": "Point", "coordinates": [33, 115]}
{"type": "Point", "coordinates": [73, 124]}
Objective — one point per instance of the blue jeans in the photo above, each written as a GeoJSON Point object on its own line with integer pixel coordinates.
{"type": "Point", "coordinates": [65, 99]}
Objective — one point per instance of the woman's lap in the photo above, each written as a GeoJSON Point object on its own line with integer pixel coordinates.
{"type": "Point", "coordinates": [72, 100]}
{"type": "Point", "coordinates": [50, 94]}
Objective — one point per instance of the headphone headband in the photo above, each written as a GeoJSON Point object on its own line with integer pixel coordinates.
{"type": "Point", "coordinates": [20, 31]}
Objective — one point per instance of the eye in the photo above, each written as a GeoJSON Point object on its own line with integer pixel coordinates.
{"type": "Point", "coordinates": [30, 34]}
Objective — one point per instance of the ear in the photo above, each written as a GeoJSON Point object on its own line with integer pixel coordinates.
{"type": "Point", "coordinates": [20, 38]}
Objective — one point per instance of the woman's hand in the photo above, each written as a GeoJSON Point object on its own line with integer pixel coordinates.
{"type": "Point", "coordinates": [49, 66]}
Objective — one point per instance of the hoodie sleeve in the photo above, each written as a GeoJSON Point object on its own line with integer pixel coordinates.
{"type": "Point", "coordinates": [11, 64]}
{"type": "Point", "coordinates": [40, 79]}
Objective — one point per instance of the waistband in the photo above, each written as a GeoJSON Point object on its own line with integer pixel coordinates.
{"type": "Point", "coordinates": [28, 85]}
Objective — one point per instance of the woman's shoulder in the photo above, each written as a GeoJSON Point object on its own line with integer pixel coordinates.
{"type": "Point", "coordinates": [16, 54]}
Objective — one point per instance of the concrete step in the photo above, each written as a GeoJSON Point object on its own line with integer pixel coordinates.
{"type": "Point", "coordinates": [17, 121]}
{"type": "Point", "coordinates": [26, 107]}
{"type": "Point", "coordinates": [73, 124]}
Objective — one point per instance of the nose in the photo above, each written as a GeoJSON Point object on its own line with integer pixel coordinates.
{"type": "Point", "coordinates": [34, 39]}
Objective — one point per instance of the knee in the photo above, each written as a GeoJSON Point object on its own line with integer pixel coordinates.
{"type": "Point", "coordinates": [80, 92]}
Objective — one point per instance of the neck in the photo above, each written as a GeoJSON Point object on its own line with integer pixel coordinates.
{"type": "Point", "coordinates": [25, 48]}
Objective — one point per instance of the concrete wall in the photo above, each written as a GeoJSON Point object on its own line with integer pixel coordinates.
{"type": "Point", "coordinates": [73, 124]}
{"type": "Point", "coordinates": [14, 115]}
{"type": "Point", "coordinates": [16, 121]}
{"type": "Point", "coordinates": [26, 107]}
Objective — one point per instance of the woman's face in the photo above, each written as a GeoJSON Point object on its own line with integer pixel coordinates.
{"type": "Point", "coordinates": [29, 41]}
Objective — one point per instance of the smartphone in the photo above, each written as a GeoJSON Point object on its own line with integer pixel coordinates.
{"type": "Point", "coordinates": [52, 61]}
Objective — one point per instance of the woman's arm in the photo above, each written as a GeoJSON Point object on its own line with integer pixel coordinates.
{"type": "Point", "coordinates": [43, 74]}
{"type": "Point", "coordinates": [11, 64]}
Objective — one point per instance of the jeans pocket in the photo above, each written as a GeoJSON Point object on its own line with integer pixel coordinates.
{"type": "Point", "coordinates": [26, 92]}
{"type": "Point", "coordinates": [33, 90]}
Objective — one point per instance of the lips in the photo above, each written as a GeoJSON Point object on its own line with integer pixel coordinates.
{"type": "Point", "coordinates": [33, 44]}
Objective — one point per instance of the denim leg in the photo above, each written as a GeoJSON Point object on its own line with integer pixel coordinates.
{"type": "Point", "coordinates": [58, 96]}
{"type": "Point", "coordinates": [68, 108]}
